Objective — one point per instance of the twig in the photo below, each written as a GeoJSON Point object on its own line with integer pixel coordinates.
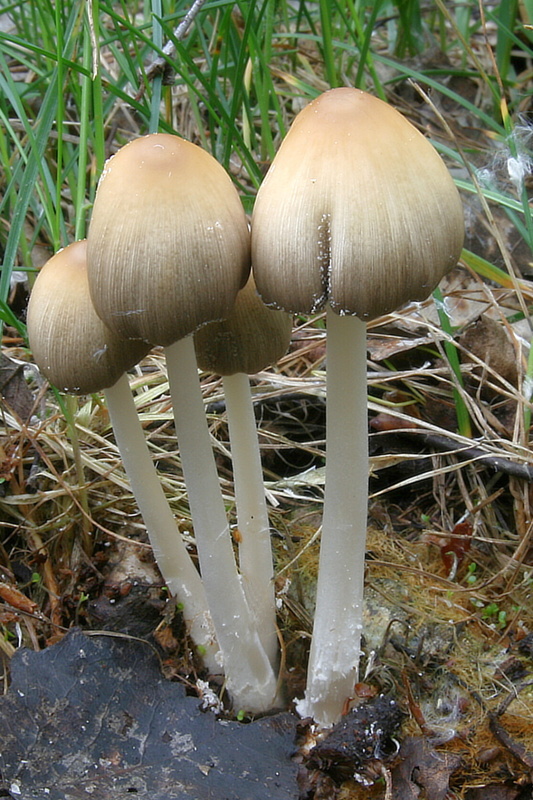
{"type": "Point", "coordinates": [498, 463]}
{"type": "Point", "coordinates": [160, 65]}
{"type": "Point", "coordinates": [516, 749]}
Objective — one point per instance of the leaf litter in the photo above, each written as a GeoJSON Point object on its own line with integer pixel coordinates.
{"type": "Point", "coordinates": [448, 623]}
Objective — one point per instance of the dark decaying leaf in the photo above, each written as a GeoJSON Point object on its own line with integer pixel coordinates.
{"type": "Point", "coordinates": [365, 734]}
{"type": "Point", "coordinates": [14, 389]}
{"type": "Point", "coordinates": [421, 771]}
{"type": "Point", "coordinates": [93, 717]}
{"type": "Point", "coordinates": [499, 791]}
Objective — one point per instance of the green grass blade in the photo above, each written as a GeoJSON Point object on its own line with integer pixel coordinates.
{"type": "Point", "coordinates": [463, 417]}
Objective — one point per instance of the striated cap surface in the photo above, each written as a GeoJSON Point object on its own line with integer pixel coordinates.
{"type": "Point", "coordinates": [168, 243]}
{"type": "Point", "coordinates": [357, 209]}
{"type": "Point", "coordinates": [251, 338]}
{"type": "Point", "coordinates": [72, 347]}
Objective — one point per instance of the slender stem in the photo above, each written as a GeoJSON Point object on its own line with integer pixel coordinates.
{"type": "Point", "coordinates": [452, 354]}
{"type": "Point", "coordinates": [157, 83]}
{"type": "Point", "coordinates": [327, 44]}
{"type": "Point", "coordinates": [335, 648]}
{"type": "Point", "coordinates": [83, 150]}
{"type": "Point", "coordinates": [71, 407]}
{"type": "Point", "coordinates": [60, 74]}
{"type": "Point", "coordinates": [250, 678]}
{"type": "Point", "coordinates": [255, 549]}
{"type": "Point", "coordinates": [177, 568]}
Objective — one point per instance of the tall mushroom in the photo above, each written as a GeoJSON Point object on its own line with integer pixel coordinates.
{"type": "Point", "coordinates": [357, 214]}
{"type": "Point", "coordinates": [77, 353]}
{"type": "Point", "coordinates": [251, 338]}
{"type": "Point", "coordinates": [168, 250]}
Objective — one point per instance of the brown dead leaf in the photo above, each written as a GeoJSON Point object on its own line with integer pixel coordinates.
{"type": "Point", "coordinates": [421, 767]}
{"type": "Point", "coordinates": [494, 791]}
{"type": "Point", "coordinates": [454, 547]}
{"type": "Point", "coordinates": [383, 347]}
{"type": "Point", "coordinates": [14, 389]}
{"type": "Point", "coordinates": [488, 340]}
{"type": "Point", "coordinates": [10, 594]}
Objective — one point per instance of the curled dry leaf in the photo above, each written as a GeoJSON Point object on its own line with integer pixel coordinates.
{"type": "Point", "coordinates": [10, 594]}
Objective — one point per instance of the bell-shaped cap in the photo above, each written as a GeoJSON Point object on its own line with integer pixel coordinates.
{"type": "Point", "coordinates": [357, 209]}
{"type": "Point", "coordinates": [169, 243]}
{"type": "Point", "coordinates": [72, 347]}
{"type": "Point", "coordinates": [251, 338]}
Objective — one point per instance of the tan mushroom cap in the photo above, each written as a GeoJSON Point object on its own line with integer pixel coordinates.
{"type": "Point", "coordinates": [72, 347]}
{"type": "Point", "coordinates": [169, 243]}
{"type": "Point", "coordinates": [252, 337]}
{"type": "Point", "coordinates": [357, 209]}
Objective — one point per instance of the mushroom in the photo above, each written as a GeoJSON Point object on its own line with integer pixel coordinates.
{"type": "Point", "coordinates": [76, 352]}
{"type": "Point", "coordinates": [168, 243]}
{"type": "Point", "coordinates": [251, 338]}
{"type": "Point", "coordinates": [168, 250]}
{"type": "Point", "coordinates": [357, 214]}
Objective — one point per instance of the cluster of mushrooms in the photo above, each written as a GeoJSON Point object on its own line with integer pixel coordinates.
{"type": "Point", "coordinates": [356, 215]}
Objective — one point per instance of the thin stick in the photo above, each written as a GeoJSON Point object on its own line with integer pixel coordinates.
{"type": "Point", "coordinates": [481, 456]}
{"type": "Point", "coordinates": [160, 65]}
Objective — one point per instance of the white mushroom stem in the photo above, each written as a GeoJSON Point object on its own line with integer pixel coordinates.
{"type": "Point", "coordinates": [255, 549]}
{"type": "Point", "coordinates": [177, 568]}
{"type": "Point", "coordinates": [250, 678]}
{"type": "Point", "coordinates": [335, 648]}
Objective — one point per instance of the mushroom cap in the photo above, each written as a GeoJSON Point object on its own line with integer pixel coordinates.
{"type": "Point", "coordinates": [357, 209]}
{"type": "Point", "coordinates": [72, 347]}
{"type": "Point", "coordinates": [168, 243]}
{"type": "Point", "coordinates": [251, 338]}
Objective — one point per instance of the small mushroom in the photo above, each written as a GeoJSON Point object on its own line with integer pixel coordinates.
{"type": "Point", "coordinates": [74, 350]}
{"type": "Point", "coordinates": [77, 353]}
{"type": "Point", "coordinates": [168, 243]}
{"type": "Point", "coordinates": [168, 250]}
{"type": "Point", "coordinates": [357, 214]}
{"type": "Point", "coordinates": [251, 338]}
